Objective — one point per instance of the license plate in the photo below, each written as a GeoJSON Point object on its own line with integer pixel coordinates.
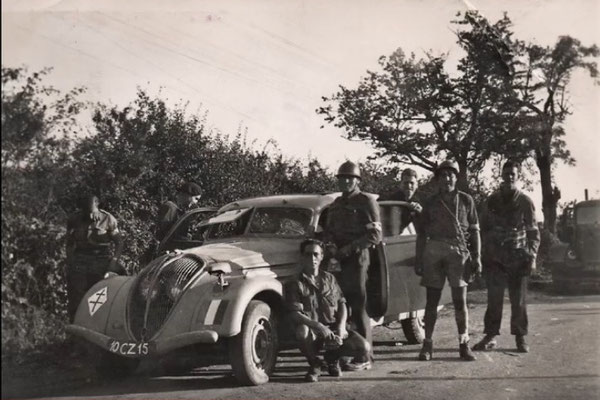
{"type": "Point", "coordinates": [131, 349]}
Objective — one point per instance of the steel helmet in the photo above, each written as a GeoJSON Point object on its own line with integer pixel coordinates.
{"type": "Point", "coordinates": [451, 165]}
{"type": "Point", "coordinates": [349, 169]}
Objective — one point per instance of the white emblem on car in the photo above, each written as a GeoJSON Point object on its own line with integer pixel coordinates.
{"type": "Point", "coordinates": [96, 300]}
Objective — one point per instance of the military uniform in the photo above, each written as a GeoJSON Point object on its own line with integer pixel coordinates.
{"type": "Point", "coordinates": [353, 220]}
{"type": "Point", "coordinates": [168, 214]}
{"type": "Point", "coordinates": [319, 298]}
{"type": "Point", "coordinates": [88, 253]}
{"type": "Point", "coordinates": [446, 250]}
{"type": "Point", "coordinates": [510, 243]}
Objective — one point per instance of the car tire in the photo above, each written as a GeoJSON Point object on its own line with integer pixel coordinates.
{"type": "Point", "coordinates": [414, 329]}
{"type": "Point", "coordinates": [253, 351]}
{"type": "Point", "coordinates": [112, 366]}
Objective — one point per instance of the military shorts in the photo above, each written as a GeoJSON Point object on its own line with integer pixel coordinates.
{"type": "Point", "coordinates": [443, 260]}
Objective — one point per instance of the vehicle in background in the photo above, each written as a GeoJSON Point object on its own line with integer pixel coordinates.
{"type": "Point", "coordinates": [575, 261]}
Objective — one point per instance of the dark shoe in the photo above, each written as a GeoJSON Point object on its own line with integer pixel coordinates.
{"type": "Point", "coordinates": [358, 366]}
{"type": "Point", "coordinates": [522, 346]}
{"type": "Point", "coordinates": [466, 353]}
{"type": "Point", "coordinates": [487, 343]}
{"type": "Point", "coordinates": [334, 369]}
{"type": "Point", "coordinates": [426, 353]}
{"type": "Point", "coordinates": [313, 373]}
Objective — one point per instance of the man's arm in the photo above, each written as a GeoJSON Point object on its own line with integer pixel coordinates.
{"type": "Point", "coordinates": [533, 233]}
{"type": "Point", "coordinates": [474, 236]}
{"type": "Point", "coordinates": [341, 319]}
{"type": "Point", "coordinates": [294, 305]}
{"type": "Point", "coordinates": [117, 239]}
{"type": "Point", "coordinates": [373, 230]}
{"type": "Point", "coordinates": [166, 217]}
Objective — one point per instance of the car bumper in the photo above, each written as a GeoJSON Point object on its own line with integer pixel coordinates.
{"type": "Point", "coordinates": [575, 271]}
{"type": "Point", "coordinates": [158, 347]}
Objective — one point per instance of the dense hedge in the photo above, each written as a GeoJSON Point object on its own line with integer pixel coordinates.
{"type": "Point", "coordinates": [133, 157]}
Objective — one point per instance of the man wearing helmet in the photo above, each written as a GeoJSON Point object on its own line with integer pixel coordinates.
{"type": "Point", "coordinates": [511, 240]}
{"type": "Point", "coordinates": [448, 236]}
{"type": "Point", "coordinates": [352, 227]}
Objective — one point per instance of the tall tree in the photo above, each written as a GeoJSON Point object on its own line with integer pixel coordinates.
{"type": "Point", "coordinates": [544, 74]}
{"type": "Point", "coordinates": [415, 111]}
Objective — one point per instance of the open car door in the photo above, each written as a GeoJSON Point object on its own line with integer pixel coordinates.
{"type": "Point", "coordinates": [399, 239]}
{"type": "Point", "coordinates": [188, 231]}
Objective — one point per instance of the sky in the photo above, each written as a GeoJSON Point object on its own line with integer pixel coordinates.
{"type": "Point", "coordinates": [266, 64]}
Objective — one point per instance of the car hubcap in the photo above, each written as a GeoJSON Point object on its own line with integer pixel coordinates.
{"type": "Point", "coordinates": [263, 341]}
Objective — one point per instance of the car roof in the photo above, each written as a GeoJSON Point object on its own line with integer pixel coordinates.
{"type": "Point", "coordinates": [313, 201]}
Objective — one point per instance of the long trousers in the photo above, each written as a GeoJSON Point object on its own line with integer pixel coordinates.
{"type": "Point", "coordinates": [498, 277]}
{"type": "Point", "coordinates": [82, 273]}
{"type": "Point", "coordinates": [353, 282]}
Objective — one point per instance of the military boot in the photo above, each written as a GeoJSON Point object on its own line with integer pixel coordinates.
{"type": "Point", "coordinates": [466, 353]}
{"type": "Point", "coordinates": [522, 346]}
{"type": "Point", "coordinates": [487, 343]}
{"type": "Point", "coordinates": [426, 353]}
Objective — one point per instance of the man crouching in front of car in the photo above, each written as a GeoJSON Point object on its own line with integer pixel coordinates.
{"type": "Point", "coordinates": [318, 308]}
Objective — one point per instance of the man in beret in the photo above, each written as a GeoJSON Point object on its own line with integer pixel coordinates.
{"type": "Point", "coordinates": [187, 198]}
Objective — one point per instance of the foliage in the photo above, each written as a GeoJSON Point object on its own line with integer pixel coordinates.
{"type": "Point", "coordinates": [134, 159]}
{"type": "Point", "coordinates": [413, 111]}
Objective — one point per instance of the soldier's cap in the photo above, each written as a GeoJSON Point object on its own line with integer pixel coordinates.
{"type": "Point", "coordinates": [190, 188]}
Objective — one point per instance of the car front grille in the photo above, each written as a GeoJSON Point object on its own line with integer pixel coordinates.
{"type": "Point", "coordinates": [157, 289]}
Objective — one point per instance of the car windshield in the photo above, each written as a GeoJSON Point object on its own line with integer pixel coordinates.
{"type": "Point", "coordinates": [281, 221]}
{"type": "Point", "coordinates": [588, 215]}
{"type": "Point", "coordinates": [278, 221]}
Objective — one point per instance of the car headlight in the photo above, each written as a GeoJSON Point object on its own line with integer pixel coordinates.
{"type": "Point", "coordinates": [571, 254]}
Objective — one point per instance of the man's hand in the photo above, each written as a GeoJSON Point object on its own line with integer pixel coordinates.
{"type": "Point", "coordinates": [419, 268]}
{"type": "Point", "coordinates": [110, 274]}
{"type": "Point", "coordinates": [323, 331]}
{"type": "Point", "coordinates": [342, 332]}
{"type": "Point", "coordinates": [477, 267]}
{"type": "Point", "coordinates": [414, 206]}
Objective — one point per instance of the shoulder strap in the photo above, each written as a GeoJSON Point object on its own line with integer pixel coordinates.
{"type": "Point", "coordinates": [463, 240]}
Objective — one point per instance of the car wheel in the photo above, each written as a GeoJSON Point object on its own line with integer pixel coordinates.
{"type": "Point", "coordinates": [253, 351]}
{"type": "Point", "coordinates": [112, 366]}
{"type": "Point", "coordinates": [414, 329]}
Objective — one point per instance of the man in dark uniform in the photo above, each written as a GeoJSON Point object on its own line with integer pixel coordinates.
{"type": "Point", "coordinates": [406, 193]}
{"type": "Point", "coordinates": [90, 233]}
{"type": "Point", "coordinates": [448, 234]}
{"type": "Point", "coordinates": [319, 310]}
{"type": "Point", "coordinates": [352, 227]}
{"type": "Point", "coordinates": [187, 198]}
{"type": "Point", "coordinates": [511, 240]}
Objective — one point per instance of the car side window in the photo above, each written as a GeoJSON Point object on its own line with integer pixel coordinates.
{"type": "Point", "coordinates": [394, 220]}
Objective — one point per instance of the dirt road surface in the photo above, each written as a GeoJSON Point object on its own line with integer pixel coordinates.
{"type": "Point", "coordinates": [564, 364]}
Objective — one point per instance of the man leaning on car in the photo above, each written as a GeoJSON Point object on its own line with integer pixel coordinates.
{"type": "Point", "coordinates": [352, 227]}
{"type": "Point", "coordinates": [319, 310]}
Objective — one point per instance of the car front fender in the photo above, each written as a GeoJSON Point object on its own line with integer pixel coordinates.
{"type": "Point", "coordinates": [225, 311]}
{"type": "Point", "coordinates": [102, 309]}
